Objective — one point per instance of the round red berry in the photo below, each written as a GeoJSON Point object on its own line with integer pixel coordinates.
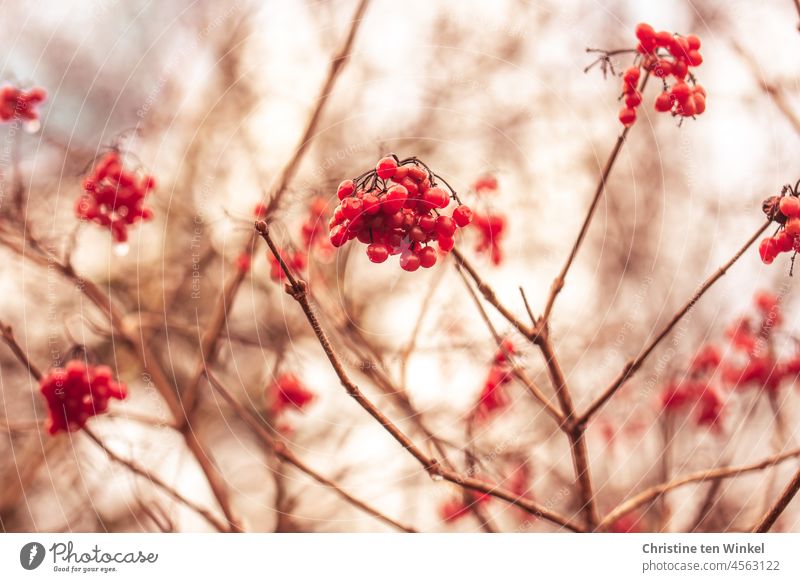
{"type": "Point", "coordinates": [409, 261]}
{"type": "Point", "coordinates": [436, 198]}
{"type": "Point", "coordinates": [345, 189]}
{"type": "Point", "coordinates": [386, 168]}
{"type": "Point", "coordinates": [790, 206]}
{"type": "Point", "coordinates": [462, 215]}
{"type": "Point", "coordinates": [352, 207]}
{"type": "Point", "coordinates": [627, 116]}
{"type": "Point", "coordinates": [378, 252]}
{"type": "Point", "coordinates": [427, 257]}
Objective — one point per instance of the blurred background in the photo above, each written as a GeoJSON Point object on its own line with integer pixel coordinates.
{"type": "Point", "coordinates": [211, 98]}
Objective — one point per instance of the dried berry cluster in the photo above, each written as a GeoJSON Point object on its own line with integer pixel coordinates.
{"type": "Point", "coordinates": [785, 210]}
{"type": "Point", "coordinates": [751, 363]}
{"type": "Point", "coordinates": [114, 197]}
{"type": "Point", "coordinates": [493, 397]}
{"type": "Point", "coordinates": [77, 392]}
{"type": "Point", "coordinates": [18, 104]}
{"type": "Point", "coordinates": [396, 209]}
{"type": "Point", "coordinates": [669, 57]}
{"type": "Point", "coordinates": [287, 392]}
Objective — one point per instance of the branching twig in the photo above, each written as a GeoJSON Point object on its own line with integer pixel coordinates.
{"type": "Point", "coordinates": [633, 365]}
{"type": "Point", "coordinates": [298, 290]}
{"type": "Point", "coordinates": [769, 519]}
{"type": "Point", "coordinates": [701, 476]}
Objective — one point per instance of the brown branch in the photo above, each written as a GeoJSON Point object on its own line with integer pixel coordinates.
{"type": "Point", "coordinates": [298, 290]}
{"type": "Point", "coordinates": [517, 370]}
{"type": "Point", "coordinates": [146, 357]}
{"type": "Point", "coordinates": [138, 470]}
{"type": "Point", "coordinates": [698, 477]}
{"type": "Point", "coordinates": [633, 365]}
{"type": "Point", "coordinates": [780, 505]}
{"type": "Point", "coordinates": [575, 432]}
{"type": "Point", "coordinates": [558, 282]}
{"type": "Point", "coordinates": [7, 333]}
{"type": "Point", "coordinates": [282, 451]}
{"type": "Point", "coordinates": [210, 341]}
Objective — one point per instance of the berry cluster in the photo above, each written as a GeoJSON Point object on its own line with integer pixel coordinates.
{"type": "Point", "coordinates": [669, 57]}
{"type": "Point", "coordinates": [287, 392]}
{"type": "Point", "coordinates": [785, 210]}
{"type": "Point", "coordinates": [114, 197]}
{"type": "Point", "coordinates": [395, 209]}
{"type": "Point", "coordinates": [77, 392]}
{"type": "Point", "coordinates": [752, 363]}
{"type": "Point", "coordinates": [491, 228]}
{"type": "Point", "coordinates": [18, 104]}
{"type": "Point", "coordinates": [492, 397]}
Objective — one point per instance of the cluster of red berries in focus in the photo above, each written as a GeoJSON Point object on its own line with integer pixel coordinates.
{"type": "Point", "coordinates": [785, 210]}
{"type": "Point", "coordinates": [493, 397]}
{"type": "Point", "coordinates": [397, 209]}
{"type": "Point", "coordinates": [18, 104]}
{"type": "Point", "coordinates": [77, 392]}
{"type": "Point", "coordinates": [114, 197]}
{"type": "Point", "coordinates": [287, 392]}
{"type": "Point", "coordinates": [669, 57]}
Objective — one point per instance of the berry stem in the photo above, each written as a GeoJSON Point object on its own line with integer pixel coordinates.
{"type": "Point", "coordinates": [10, 340]}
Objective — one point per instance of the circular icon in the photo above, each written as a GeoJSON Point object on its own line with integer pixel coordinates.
{"type": "Point", "coordinates": [31, 555]}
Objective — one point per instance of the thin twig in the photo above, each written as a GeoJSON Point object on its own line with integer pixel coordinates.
{"type": "Point", "coordinates": [7, 333]}
{"type": "Point", "coordinates": [558, 282]}
{"type": "Point", "coordinates": [298, 290]}
{"type": "Point", "coordinates": [780, 505]}
{"type": "Point", "coordinates": [633, 365]}
{"type": "Point", "coordinates": [135, 468]}
{"type": "Point", "coordinates": [282, 451]}
{"type": "Point", "coordinates": [698, 477]}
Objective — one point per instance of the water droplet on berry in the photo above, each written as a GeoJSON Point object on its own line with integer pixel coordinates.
{"type": "Point", "coordinates": [32, 126]}
{"type": "Point", "coordinates": [121, 249]}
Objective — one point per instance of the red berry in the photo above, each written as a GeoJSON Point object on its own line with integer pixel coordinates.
{"type": "Point", "coordinates": [395, 198]}
{"type": "Point", "coordinates": [462, 215]}
{"type": "Point", "coordinates": [768, 251]}
{"type": "Point", "coordinates": [694, 58]}
{"type": "Point", "coordinates": [681, 92]}
{"type": "Point", "coordinates": [446, 226]}
{"type": "Point", "coordinates": [427, 222]}
{"type": "Point", "coordinates": [693, 42]}
{"type": "Point", "coordinates": [436, 198]}
{"type": "Point", "coordinates": [627, 116]}
{"type": "Point", "coordinates": [352, 207]}
{"type": "Point", "coordinates": [663, 102]}
{"type": "Point", "coordinates": [409, 261]}
{"type": "Point", "coordinates": [427, 257]}
{"type": "Point", "coordinates": [784, 242]}
{"type": "Point", "coordinates": [446, 243]}
{"type": "Point", "coordinates": [378, 252]}
{"type": "Point", "coordinates": [633, 100]}
{"type": "Point", "coordinates": [386, 168]}
{"type": "Point", "coordinates": [345, 189]}
{"type": "Point", "coordinates": [793, 227]}
{"type": "Point", "coordinates": [790, 206]}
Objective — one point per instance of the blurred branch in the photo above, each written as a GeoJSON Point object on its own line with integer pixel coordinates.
{"type": "Point", "coordinates": [135, 468]}
{"type": "Point", "coordinates": [218, 318]}
{"type": "Point", "coordinates": [7, 333]}
{"type": "Point", "coordinates": [282, 451]}
{"type": "Point", "coordinates": [633, 365]}
{"type": "Point", "coordinates": [699, 477]}
{"type": "Point", "coordinates": [774, 91]}
{"type": "Point", "coordinates": [780, 505]}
